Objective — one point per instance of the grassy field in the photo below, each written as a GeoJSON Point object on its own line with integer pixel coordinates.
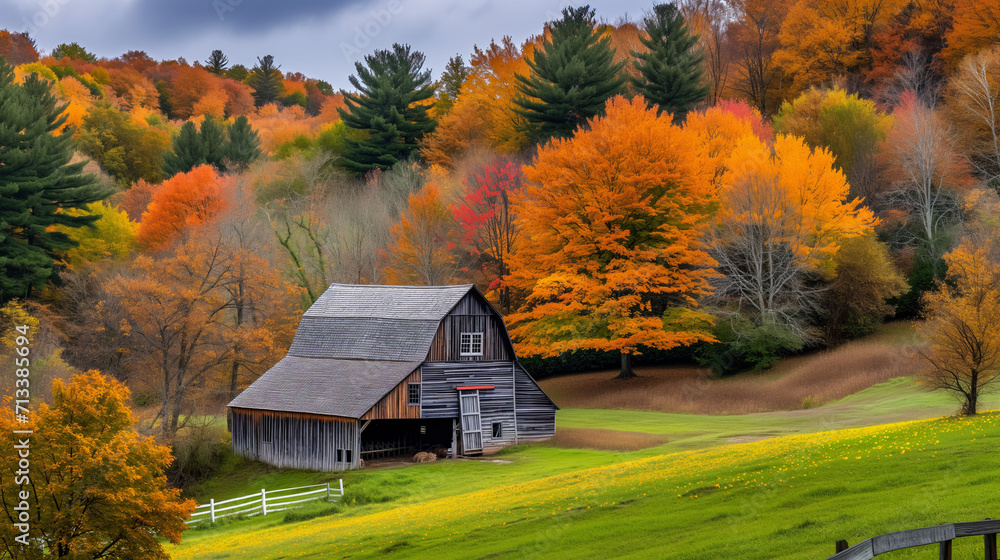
{"type": "Point", "coordinates": [784, 483]}
{"type": "Point", "coordinates": [787, 497]}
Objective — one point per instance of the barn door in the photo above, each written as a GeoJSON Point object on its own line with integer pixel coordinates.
{"type": "Point", "coordinates": [472, 427]}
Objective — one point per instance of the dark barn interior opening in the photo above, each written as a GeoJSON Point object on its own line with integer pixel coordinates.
{"type": "Point", "coordinates": [391, 438]}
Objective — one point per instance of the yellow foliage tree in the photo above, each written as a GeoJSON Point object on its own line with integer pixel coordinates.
{"type": "Point", "coordinates": [95, 487]}
{"type": "Point", "coordinates": [610, 253]}
{"type": "Point", "coordinates": [113, 236]}
{"type": "Point", "coordinates": [963, 324]}
{"type": "Point", "coordinates": [783, 214]}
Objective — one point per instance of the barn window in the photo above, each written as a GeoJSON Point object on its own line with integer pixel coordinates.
{"type": "Point", "coordinates": [414, 394]}
{"type": "Point", "coordinates": [497, 430]}
{"type": "Point", "coordinates": [347, 455]}
{"type": "Point", "coordinates": [471, 344]}
{"type": "Point", "coordinates": [340, 455]}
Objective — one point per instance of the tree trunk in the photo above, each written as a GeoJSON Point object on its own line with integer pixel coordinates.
{"type": "Point", "coordinates": [973, 396]}
{"type": "Point", "coordinates": [234, 377]}
{"type": "Point", "coordinates": [626, 372]}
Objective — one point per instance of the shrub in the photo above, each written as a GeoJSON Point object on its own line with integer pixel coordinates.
{"type": "Point", "coordinates": [199, 452]}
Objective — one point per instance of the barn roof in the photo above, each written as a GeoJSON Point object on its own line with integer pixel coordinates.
{"type": "Point", "coordinates": [375, 322]}
{"type": "Point", "coordinates": [324, 386]}
{"type": "Point", "coordinates": [353, 346]}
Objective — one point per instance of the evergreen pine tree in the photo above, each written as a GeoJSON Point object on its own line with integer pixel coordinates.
{"type": "Point", "coordinates": [244, 143]}
{"type": "Point", "coordinates": [37, 183]}
{"type": "Point", "coordinates": [265, 81]}
{"type": "Point", "coordinates": [572, 76]}
{"type": "Point", "coordinates": [454, 75]}
{"type": "Point", "coordinates": [450, 85]}
{"type": "Point", "coordinates": [214, 140]}
{"type": "Point", "coordinates": [670, 70]}
{"type": "Point", "coordinates": [217, 63]}
{"type": "Point", "coordinates": [388, 107]}
{"type": "Point", "coordinates": [189, 151]}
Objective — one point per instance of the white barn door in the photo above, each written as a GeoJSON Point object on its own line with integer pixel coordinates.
{"type": "Point", "coordinates": [472, 426]}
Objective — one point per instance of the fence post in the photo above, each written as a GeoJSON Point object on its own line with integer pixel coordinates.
{"type": "Point", "coordinates": [842, 545]}
{"type": "Point", "coordinates": [328, 491]}
{"type": "Point", "coordinates": [263, 501]}
{"type": "Point", "coordinates": [342, 495]}
{"type": "Point", "coordinates": [211, 509]}
{"type": "Point", "coordinates": [945, 553]}
{"type": "Point", "coordinates": [991, 546]}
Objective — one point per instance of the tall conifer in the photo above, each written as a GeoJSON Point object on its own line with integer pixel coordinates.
{"type": "Point", "coordinates": [37, 183]}
{"type": "Point", "coordinates": [670, 69]}
{"type": "Point", "coordinates": [572, 76]}
{"type": "Point", "coordinates": [392, 85]}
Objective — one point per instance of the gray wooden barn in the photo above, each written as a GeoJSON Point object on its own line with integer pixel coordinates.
{"type": "Point", "coordinates": [374, 369]}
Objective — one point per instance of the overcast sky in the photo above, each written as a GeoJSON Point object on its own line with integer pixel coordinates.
{"type": "Point", "coordinates": [320, 38]}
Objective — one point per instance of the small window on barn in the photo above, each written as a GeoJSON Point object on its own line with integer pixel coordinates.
{"type": "Point", "coordinates": [414, 394]}
{"type": "Point", "coordinates": [497, 430]}
{"type": "Point", "coordinates": [347, 455]}
{"type": "Point", "coordinates": [471, 344]}
{"type": "Point", "coordinates": [340, 455]}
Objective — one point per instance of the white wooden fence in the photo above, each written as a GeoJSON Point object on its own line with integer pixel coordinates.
{"type": "Point", "coordinates": [266, 501]}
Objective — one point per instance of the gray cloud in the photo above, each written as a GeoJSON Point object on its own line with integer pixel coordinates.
{"type": "Point", "coordinates": [322, 39]}
{"type": "Point", "coordinates": [243, 16]}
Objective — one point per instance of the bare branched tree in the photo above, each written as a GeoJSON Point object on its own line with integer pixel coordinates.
{"type": "Point", "coordinates": [923, 160]}
{"type": "Point", "coordinates": [763, 260]}
{"type": "Point", "coordinates": [975, 96]}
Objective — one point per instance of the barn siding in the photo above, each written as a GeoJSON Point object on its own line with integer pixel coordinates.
{"type": "Point", "coordinates": [440, 399]}
{"type": "Point", "coordinates": [396, 405]}
{"type": "Point", "coordinates": [299, 441]}
{"type": "Point", "coordinates": [536, 415]}
{"type": "Point", "coordinates": [470, 315]}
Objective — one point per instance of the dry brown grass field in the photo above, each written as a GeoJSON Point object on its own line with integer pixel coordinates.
{"type": "Point", "coordinates": [795, 383]}
{"type": "Point", "coordinates": [605, 440]}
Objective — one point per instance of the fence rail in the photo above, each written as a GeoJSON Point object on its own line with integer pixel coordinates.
{"type": "Point", "coordinates": [266, 501]}
{"type": "Point", "coordinates": [941, 535]}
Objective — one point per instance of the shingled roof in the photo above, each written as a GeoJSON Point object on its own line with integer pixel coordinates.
{"type": "Point", "coordinates": [353, 346]}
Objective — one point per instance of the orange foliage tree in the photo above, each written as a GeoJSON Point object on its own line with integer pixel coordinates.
{"type": "Point", "coordinates": [96, 488]}
{"type": "Point", "coordinates": [610, 256]}
{"type": "Point", "coordinates": [17, 48]}
{"type": "Point", "coordinates": [823, 38]}
{"type": "Point", "coordinates": [976, 26]}
{"type": "Point", "coordinates": [193, 85]}
{"type": "Point", "coordinates": [173, 313]}
{"type": "Point", "coordinates": [186, 200]}
{"type": "Point", "coordinates": [422, 250]}
{"type": "Point", "coordinates": [963, 324]}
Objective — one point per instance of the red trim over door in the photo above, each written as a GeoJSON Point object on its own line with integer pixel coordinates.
{"type": "Point", "coordinates": [471, 387]}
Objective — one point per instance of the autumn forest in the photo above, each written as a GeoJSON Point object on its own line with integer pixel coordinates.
{"type": "Point", "coordinates": [716, 182]}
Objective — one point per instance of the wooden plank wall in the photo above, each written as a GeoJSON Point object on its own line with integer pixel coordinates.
{"type": "Point", "coordinates": [396, 404]}
{"type": "Point", "coordinates": [440, 399]}
{"type": "Point", "coordinates": [470, 315]}
{"type": "Point", "coordinates": [299, 441]}
{"type": "Point", "coordinates": [536, 415]}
